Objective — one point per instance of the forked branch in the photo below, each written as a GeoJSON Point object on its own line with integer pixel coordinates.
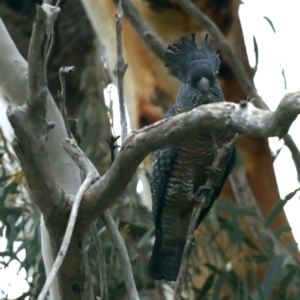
{"type": "Point", "coordinates": [91, 176]}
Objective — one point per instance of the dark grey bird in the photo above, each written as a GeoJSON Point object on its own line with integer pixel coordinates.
{"type": "Point", "coordinates": [179, 171]}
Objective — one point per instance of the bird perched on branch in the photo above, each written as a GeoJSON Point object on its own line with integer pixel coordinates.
{"type": "Point", "coordinates": [180, 171]}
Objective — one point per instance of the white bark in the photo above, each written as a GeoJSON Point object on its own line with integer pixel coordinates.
{"type": "Point", "coordinates": [13, 83]}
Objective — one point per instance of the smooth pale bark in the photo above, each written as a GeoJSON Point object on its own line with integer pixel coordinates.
{"type": "Point", "coordinates": [13, 83]}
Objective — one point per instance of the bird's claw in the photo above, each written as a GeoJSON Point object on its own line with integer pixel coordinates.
{"type": "Point", "coordinates": [203, 189]}
{"type": "Point", "coordinates": [212, 171]}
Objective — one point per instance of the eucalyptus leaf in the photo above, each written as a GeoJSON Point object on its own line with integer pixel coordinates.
{"type": "Point", "coordinates": [277, 209]}
{"type": "Point", "coordinates": [273, 275]}
{"type": "Point", "coordinates": [271, 23]}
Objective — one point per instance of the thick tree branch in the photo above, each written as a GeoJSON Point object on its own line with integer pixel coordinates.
{"type": "Point", "coordinates": [73, 150]}
{"type": "Point", "coordinates": [247, 120]}
{"type": "Point", "coordinates": [30, 149]}
{"type": "Point", "coordinates": [121, 69]}
{"type": "Point", "coordinates": [143, 29]}
{"type": "Point", "coordinates": [37, 89]}
{"type": "Point", "coordinates": [51, 174]}
{"type": "Point", "coordinates": [211, 181]}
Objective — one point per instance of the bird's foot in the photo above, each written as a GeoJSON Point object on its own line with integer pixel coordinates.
{"type": "Point", "coordinates": [202, 190]}
{"type": "Point", "coordinates": [212, 171]}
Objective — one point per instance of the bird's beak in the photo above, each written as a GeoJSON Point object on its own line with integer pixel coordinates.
{"type": "Point", "coordinates": [203, 85]}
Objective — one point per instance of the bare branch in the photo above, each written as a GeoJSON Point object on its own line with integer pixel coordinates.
{"type": "Point", "coordinates": [121, 69]}
{"type": "Point", "coordinates": [62, 96]}
{"type": "Point", "coordinates": [83, 163]}
{"type": "Point", "coordinates": [211, 181]}
{"type": "Point", "coordinates": [143, 29]}
{"type": "Point", "coordinates": [118, 243]}
{"type": "Point", "coordinates": [37, 89]}
{"type": "Point", "coordinates": [101, 262]}
{"type": "Point", "coordinates": [30, 149]}
{"type": "Point", "coordinates": [247, 120]}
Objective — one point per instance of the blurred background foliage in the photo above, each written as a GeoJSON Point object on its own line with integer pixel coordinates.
{"type": "Point", "coordinates": [19, 217]}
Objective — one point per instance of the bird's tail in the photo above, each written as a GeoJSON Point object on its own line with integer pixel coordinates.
{"type": "Point", "coordinates": [165, 264]}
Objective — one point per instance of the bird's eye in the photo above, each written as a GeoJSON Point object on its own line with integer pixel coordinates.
{"type": "Point", "coordinates": [188, 81]}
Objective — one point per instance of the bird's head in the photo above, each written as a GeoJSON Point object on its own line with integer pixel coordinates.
{"type": "Point", "coordinates": [196, 66]}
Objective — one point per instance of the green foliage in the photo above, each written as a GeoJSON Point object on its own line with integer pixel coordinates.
{"type": "Point", "coordinates": [279, 207]}
{"type": "Point", "coordinates": [232, 268]}
{"type": "Point", "coordinates": [19, 223]}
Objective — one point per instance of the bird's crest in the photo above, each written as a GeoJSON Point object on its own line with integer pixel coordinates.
{"type": "Point", "coordinates": [179, 57]}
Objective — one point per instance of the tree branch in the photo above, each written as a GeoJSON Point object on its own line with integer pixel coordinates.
{"type": "Point", "coordinates": [211, 181]}
{"type": "Point", "coordinates": [62, 96]}
{"type": "Point", "coordinates": [245, 119]}
{"type": "Point", "coordinates": [37, 88]}
{"type": "Point", "coordinates": [101, 262]}
{"type": "Point", "coordinates": [86, 167]}
{"type": "Point", "coordinates": [121, 69]}
{"type": "Point", "coordinates": [118, 243]}
{"type": "Point", "coordinates": [143, 29]}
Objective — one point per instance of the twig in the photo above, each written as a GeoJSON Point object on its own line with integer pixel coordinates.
{"type": "Point", "coordinates": [67, 238]}
{"type": "Point", "coordinates": [121, 249]}
{"type": "Point", "coordinates": [221, 153]}
{"type": "Point", "coordinates": [101, 262]}
{"type": "Point", "coordinates": [121, 69]}
{"type": "Point", "coordinates": [143, 29]}
{"type": "Point", "coordinates": [237, 68]}
{"type": "Point", "coordinates": [62, 96]}
{"type": "Point", "coordinates": [52, 14]}
{"type": "Point", "coordinates": [52, 39]}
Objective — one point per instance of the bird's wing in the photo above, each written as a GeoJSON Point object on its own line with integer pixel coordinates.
{"type": "Point", "coordinates": [162, 162]}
